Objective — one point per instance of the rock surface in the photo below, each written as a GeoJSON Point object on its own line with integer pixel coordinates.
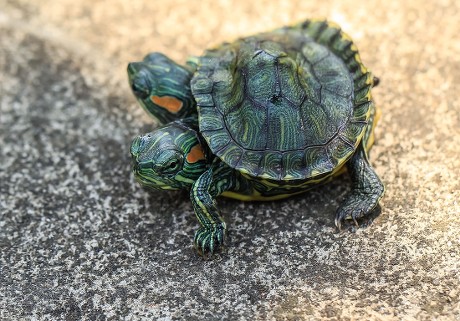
{"type": "Point", "coordinates": [79, 239]}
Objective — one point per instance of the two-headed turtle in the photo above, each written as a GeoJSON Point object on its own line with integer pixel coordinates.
{"type": "Point", "coordinates": [261, 118]}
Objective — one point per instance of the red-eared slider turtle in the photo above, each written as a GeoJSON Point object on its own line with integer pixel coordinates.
{"type": "Point", "coordinates": [262, 118]}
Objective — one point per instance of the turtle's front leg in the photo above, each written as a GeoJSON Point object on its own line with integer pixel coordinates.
{"type": "Point", "coordinates": [210, 236]}
{"type": "Point", "coordinates": [366, 192]}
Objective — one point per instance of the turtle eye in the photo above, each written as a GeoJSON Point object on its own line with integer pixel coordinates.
{"type": "Point", "coordinates": [172, 165]}
{"type": "Point", "coordinates": [140, 88]}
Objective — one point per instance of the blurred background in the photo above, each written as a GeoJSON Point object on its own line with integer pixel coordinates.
{"type": "Point", "coordinates": [79, 239]}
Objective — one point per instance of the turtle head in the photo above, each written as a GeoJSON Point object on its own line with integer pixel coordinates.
{"type": "Point", "coordinates": [169, 158]}
{"type": "Point", "coordinates": [162, 87]}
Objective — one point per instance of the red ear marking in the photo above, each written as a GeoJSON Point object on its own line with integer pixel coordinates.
{"type": "Point", "coordinates": [171, 104]}
{"type": "Point", "coordinates": [196, 154]}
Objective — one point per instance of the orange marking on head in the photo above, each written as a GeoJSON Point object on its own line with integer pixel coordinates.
{"type": "Point", "coordinates": [171, 104]}
{"type": "Point", "coordinates": [196, 154]}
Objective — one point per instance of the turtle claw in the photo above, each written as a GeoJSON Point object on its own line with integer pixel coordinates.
{"type": "Point", "coordinates": [343, 215]}
{"type": "Point", "coordinates": [209, 239]}
{"type": "Point", "coordinates": [361, 214]}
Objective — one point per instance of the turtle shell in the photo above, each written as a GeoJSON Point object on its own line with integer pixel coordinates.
{"type": "Point", "coordinates": [286, 105]}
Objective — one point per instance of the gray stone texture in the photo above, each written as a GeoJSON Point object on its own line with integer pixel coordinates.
{"type": "Point", "coordinates": [80, 240]}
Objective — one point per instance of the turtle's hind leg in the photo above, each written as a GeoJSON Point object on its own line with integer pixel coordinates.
{"type": "Point", "coordinates": [366, 192]}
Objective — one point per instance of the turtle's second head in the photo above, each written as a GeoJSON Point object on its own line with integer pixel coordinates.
{"type": "Point", "coordinates": [169, 158]}
{"type": "Point", "coordinates": [162, 87]}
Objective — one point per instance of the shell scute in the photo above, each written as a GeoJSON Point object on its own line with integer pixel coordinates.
{"type": "Point", "coordinates": [290, 84]}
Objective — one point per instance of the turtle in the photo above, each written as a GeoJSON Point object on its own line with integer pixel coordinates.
{"type": "Point", "coordinates": [261, 118]}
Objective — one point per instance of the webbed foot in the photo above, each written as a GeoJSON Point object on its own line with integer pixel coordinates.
{"type": "Point", "coordinates": [209, 239]}
{"type": "Point", "coordinates": [359, 209]}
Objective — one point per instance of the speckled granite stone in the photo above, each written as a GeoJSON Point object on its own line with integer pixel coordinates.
{"type": "Point", "coordinates": [79, 239]}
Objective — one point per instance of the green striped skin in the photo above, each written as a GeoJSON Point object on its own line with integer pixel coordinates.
{"type": "Point", "coordinates": [217, 179]}
{"type": "Point", "coordinates": [278, 113]}
{"type": "Point", "coordinates": [161, 159]}
{"type": "Point", "coordinates": [158, 76]}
